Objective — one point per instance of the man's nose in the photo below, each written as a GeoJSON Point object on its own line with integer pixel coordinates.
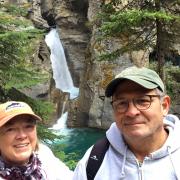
{"type": "Point", "coordinates": [131, 110]}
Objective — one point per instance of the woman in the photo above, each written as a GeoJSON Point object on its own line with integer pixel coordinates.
{"type": "Point", "coordinates": [21, 157]}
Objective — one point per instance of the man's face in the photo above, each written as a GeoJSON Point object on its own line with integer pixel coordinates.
{"type": "Point", "coordinates": [136, 123]}
{"type": "Point", "coordinates": [18, 139]}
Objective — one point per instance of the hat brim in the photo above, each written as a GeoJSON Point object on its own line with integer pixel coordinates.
{"type": "Point", "coordinates": [111, 87]}
{"type": "Point", "coordinates": [8, 118]}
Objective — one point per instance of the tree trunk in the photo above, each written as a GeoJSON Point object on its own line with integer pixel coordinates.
{"type": "Point", "coordinates": [160, 50]}
{"type": "Point", "coordinates": [160, 47]}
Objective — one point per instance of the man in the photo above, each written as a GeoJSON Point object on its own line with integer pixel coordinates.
{"type": "Point", "coordinates": [143, 140]}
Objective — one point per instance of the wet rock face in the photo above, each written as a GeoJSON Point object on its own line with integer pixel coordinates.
{"type": "Point", "coordinates": [80, 6]}
{"type": "Point", "coordinates": [35, 15]}
{"type": "Point", "coordinates": [90, 75]}
{"type": "Point", "coordinates": [73, 33]}
{"type": "Point", "coordinates": [47, 12]}
{"type": "Point", "coordinates": [70, 18]}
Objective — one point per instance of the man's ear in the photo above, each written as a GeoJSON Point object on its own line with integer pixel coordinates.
{"type": "Point", "coordinates": [166, 104]}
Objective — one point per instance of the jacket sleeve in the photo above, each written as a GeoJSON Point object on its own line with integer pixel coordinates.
{"type": "Point", "coordinates": [80, 170]}
{"type": "Point", "coordinates": [53, 167]}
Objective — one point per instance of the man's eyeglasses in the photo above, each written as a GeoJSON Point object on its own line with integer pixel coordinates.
{"type": "Point", "coordinates": [141, 103]}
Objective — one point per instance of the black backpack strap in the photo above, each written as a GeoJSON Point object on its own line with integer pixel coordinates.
{"type": "Point", "coordinates": [96, 157]}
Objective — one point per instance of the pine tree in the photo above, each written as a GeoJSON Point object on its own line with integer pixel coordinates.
{"type": "Point", "coordinates": [147, 23]}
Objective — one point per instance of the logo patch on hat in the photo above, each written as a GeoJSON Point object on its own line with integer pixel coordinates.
{"type": "Point", "coordinates": [14, 105]}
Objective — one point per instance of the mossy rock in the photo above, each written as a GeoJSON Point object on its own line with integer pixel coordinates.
{"type": "Point", "coordinates": [176, 76]}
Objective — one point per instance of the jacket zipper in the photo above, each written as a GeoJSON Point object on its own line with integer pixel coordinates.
{"type": "Point", "coordinates": [140, 171]}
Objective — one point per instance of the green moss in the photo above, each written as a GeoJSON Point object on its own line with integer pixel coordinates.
{"type": "Point", "coordinates": [106, 69]}
{"type": "Point", "coordinates": [10, 22]}
{"type": "Point", "coordinates": [15, 10]}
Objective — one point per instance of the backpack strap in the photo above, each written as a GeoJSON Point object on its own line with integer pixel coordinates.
{"type": "Point", "coordinates": [96, 157]}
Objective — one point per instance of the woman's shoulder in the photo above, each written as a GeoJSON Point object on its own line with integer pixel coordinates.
{"type": "Point", "coordinates": [52, 165]}
{"type": "Point", "coordinates": [44, 149]}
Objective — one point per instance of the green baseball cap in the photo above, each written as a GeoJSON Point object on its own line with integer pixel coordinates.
{"type": "Point", "coordinates": [145, 77]}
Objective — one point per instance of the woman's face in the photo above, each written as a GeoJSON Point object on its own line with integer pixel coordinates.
{"type": "Point", "coordinates": [18, 139]}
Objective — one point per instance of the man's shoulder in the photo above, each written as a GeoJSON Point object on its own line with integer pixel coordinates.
{"type": "Point", "coordinates": [96, 157]}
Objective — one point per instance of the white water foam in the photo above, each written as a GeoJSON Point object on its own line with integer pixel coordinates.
{"type": "Point", "coordinates": [61, 72]}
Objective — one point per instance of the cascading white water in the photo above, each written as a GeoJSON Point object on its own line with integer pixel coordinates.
{"type": "Point", "coordinates": [61, 74]}
{"type": "Point", "coordinates": [61, 122]}
{"type": "Point", "coordinates": [64, 82]}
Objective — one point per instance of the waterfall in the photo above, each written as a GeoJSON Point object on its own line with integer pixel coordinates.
{"type": "Point", "coordinates": [61, 74]}
{"type": "Point", "coordinates": [61, 122]}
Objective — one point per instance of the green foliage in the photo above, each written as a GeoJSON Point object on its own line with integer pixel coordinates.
{"type": "Point", "coordinates": [137, 23]}
{"type": "Point", "coordinates": [11, 48]}
{"type": "Point", "coordinates": [10, 22]}
{"type": "Point", "coordinates": [47, 135]}
{"type": "Point", "coordinates": [42, 108]}
{"type": "Point", "coordinates": [16, 37]}
{"type": "Point", "coordinates": [34, 32]}
{"type": "Point", "coordinates": [126, 21]}
{"type": "Point", "coordinates": [17, 45]}
{"type": "Point", "coordinates": [14, 69]}
{"type": "Point", "coordinates": [172, 84]}
{"type": "Point", "coordinates": [110, 56]}
{"type": "Point", "coordinates": [15, 49]}
{"type": "Point", "coordinates": [13, 44]}
{"type": "Point", "coordinates": [69, 159]}
{"type": "Point", "coordinates": [15, 10]}
{"type": "Point", "coordinates": [21, 77]}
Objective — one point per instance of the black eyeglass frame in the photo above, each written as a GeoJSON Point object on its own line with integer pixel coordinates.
{"type": "Point", "coordinates": [134, 101]}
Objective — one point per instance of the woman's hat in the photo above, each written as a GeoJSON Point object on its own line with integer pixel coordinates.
{"type": "Point", "coordinates": [12, 109]}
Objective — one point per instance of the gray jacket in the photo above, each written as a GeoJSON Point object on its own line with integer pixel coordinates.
{"type": "Point", "coordinates": [120, 163]}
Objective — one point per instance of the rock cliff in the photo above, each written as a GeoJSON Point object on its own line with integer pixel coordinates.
{"type": "Point", "coordinates": [73, 20]}
{"type": "Point", "coordinates": [91, 76]}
